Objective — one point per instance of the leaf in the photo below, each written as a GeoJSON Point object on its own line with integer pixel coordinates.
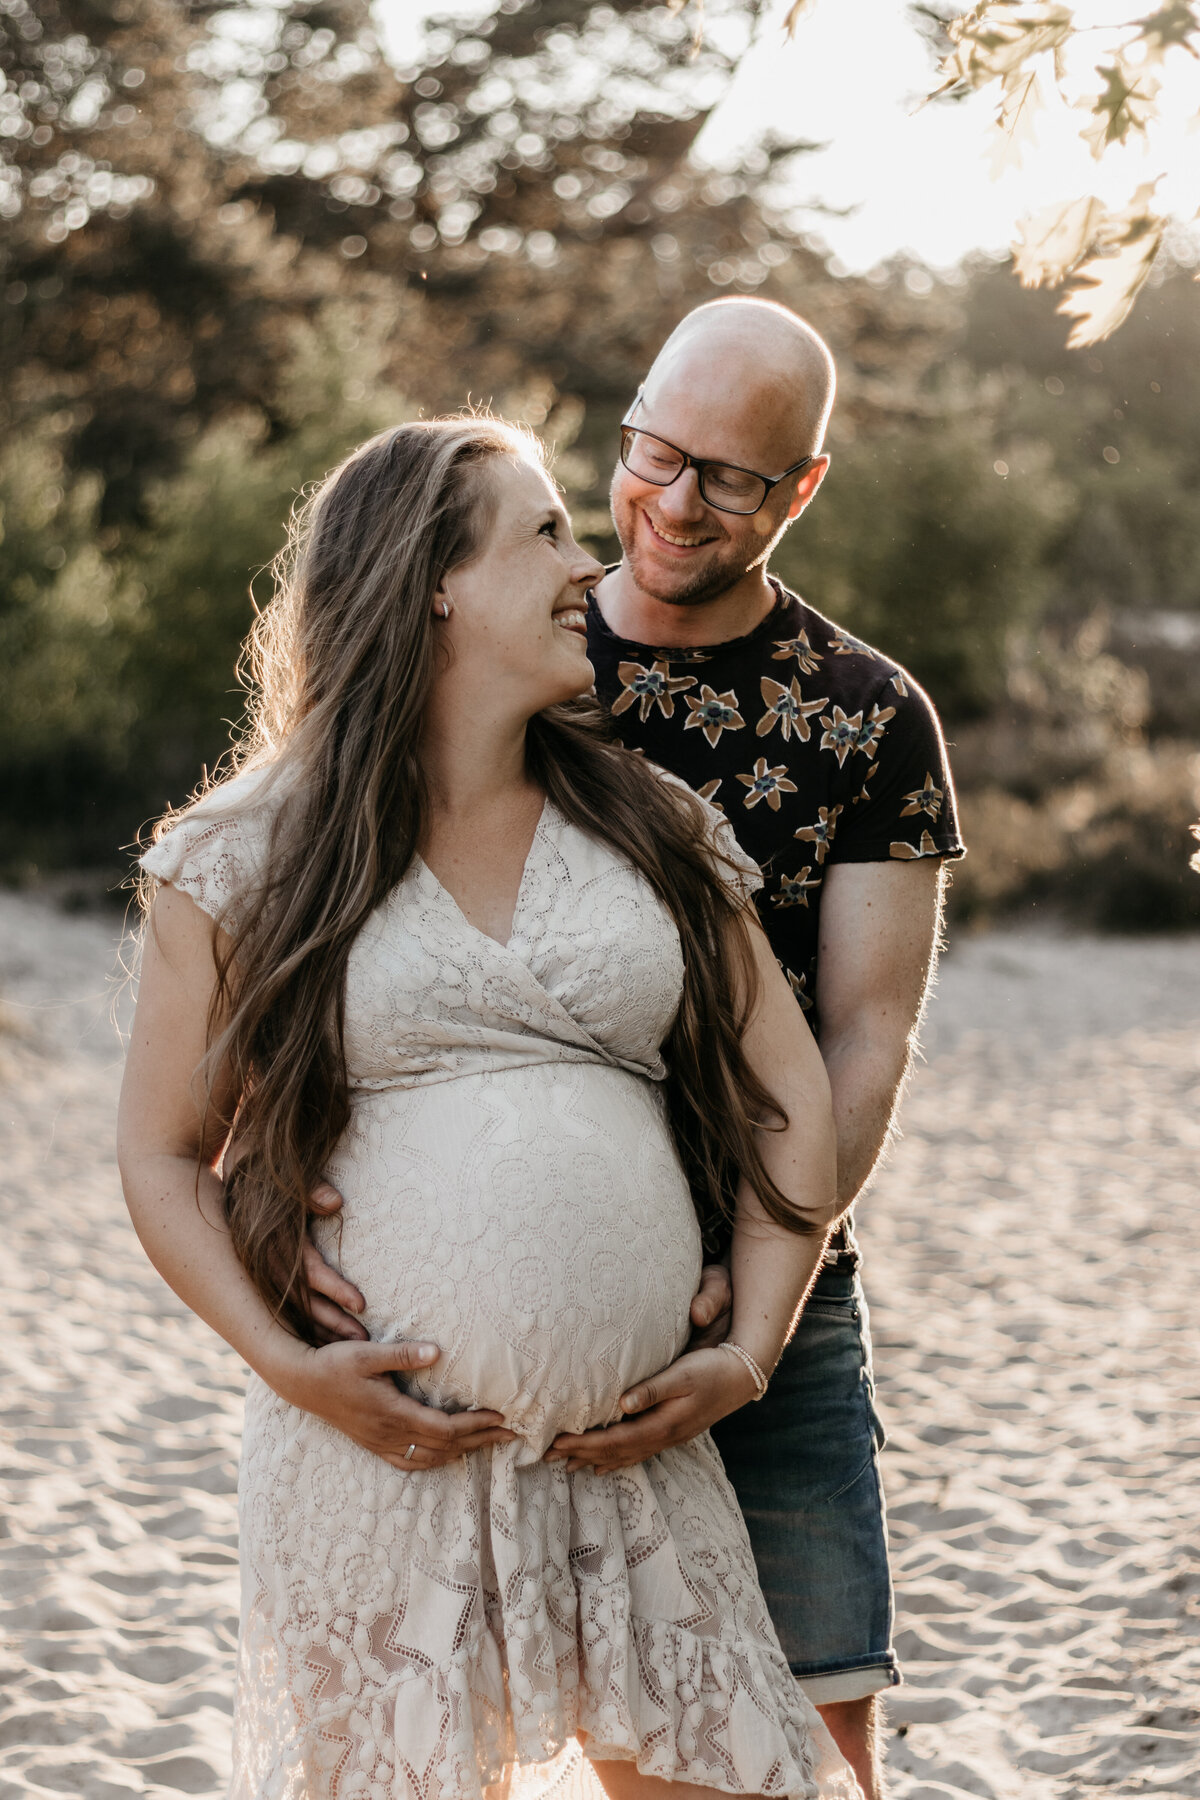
{"type": "Point", "coordinates": [795, 13]}
{"type": "Point", "coordinates": [1053, 241]}
{"type": "Point", "coordinates": [1106, 287]}
{"type": "Point", "coordinates": [999, 36]}
{"type": "Point", "coordinates": [1021, 100]}
{"type": "Point", "coordinates": [1126, 104]}
{"type": "Point", "coordinates": [1173, 26]}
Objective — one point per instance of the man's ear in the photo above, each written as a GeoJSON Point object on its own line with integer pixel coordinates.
{"type": "Point", "coordinates": [808, 484]}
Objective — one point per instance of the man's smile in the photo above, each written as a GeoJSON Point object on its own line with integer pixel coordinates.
{"type": "Point", "coordinates": [675, 540]}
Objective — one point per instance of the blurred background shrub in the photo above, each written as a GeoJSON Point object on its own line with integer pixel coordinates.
{"type": "Point", "coordinates": [237, 243]}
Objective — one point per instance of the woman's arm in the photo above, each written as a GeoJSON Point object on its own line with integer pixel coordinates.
{"type": "Point", "coordinates": [772, 1268]}
{"type": "Point", "coordinates": [168, 1150]}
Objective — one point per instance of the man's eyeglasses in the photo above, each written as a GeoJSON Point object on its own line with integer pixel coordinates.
{"type": "Point", "coordinates": [722, 485]}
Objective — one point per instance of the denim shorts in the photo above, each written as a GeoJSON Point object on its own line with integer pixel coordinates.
{"type": "Point", "coordinates": [804, 1462]}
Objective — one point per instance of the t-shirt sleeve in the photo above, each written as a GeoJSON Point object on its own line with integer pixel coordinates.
{"type": "Point", "coordinates": [739, 871]}
{"type": "Point", "coordinates": [214, 853]}
{"type": "Point", "coordinates": [900, 806]}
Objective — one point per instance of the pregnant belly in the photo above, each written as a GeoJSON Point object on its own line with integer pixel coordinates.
{"type": "Point", "coordinates": [535, 1224]}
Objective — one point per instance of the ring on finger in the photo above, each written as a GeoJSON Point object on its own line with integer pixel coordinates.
{"type": "Point", "coordinates": [408, 1454]}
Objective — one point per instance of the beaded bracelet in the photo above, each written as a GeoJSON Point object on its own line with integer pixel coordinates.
{"type": "Point", "coordinates": [744, 1356]}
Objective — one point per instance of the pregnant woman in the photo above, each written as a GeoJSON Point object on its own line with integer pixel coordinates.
{"type": "Point", "coordinates": [441, 943]}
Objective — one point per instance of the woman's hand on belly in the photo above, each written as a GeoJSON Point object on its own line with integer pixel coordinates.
{"type": "Point", "coordinates": [350, 1386]}
{"type": "Point", "coordinates": [686, 1399]}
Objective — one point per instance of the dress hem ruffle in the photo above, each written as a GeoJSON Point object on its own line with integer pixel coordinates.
{"type": "Point", "coordinates": [710, 1680]}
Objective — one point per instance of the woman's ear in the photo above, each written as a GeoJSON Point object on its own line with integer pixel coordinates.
{"type": "Point", "coordinates": [443, 605]}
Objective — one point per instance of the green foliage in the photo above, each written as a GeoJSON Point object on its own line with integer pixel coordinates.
{"type": "Point", "coordinates": [1118, 429]}
{"type": "Point", "coordinates": [118, 647]}
{"type": "Point", "coordinates": [919, 546]}
{"type": "Point", "coordinates": [216, 525]}
{"type": "Point", "coordinates": [65, 611]}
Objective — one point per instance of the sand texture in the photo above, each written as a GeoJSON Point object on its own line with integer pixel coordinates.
{"type": "Point", "coordinates": [1034, 1271]}
{"type": "Point", "coordinates": [1034, 1264]}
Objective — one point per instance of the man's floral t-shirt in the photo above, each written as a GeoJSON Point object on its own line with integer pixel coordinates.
{"type": "Point", "coordinates": [818, 750]}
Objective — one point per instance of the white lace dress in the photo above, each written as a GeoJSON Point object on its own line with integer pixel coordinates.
{"type": "Point", "coordinates": [512, 1193]}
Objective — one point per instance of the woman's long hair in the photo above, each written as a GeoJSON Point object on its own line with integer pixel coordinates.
{"type": "Point", "coordinates": [340, 664]}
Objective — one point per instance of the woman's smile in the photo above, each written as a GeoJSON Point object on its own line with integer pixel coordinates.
{"type": "Point", "coordinates": [572, 618]}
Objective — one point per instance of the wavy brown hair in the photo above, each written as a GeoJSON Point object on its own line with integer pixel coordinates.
{"type": "Point", "coordinates": [340, 666]}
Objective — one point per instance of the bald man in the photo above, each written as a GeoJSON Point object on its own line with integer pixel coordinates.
{"type": "Point", "coordinates": [828, 761]}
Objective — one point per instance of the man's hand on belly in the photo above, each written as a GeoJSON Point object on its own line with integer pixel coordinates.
{"type": "Point", "coordinates": [334, 1299]}
{"type": "Point", "coordinates": [712, 1309]}
{"type": "Point", "coordinates": [671, 1408]}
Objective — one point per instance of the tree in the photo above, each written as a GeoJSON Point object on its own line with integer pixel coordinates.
{"type": "Point", "coordinates": [238, 241]}
{"type": "Point", "coordinates": [295, 243]}
{"type": "Point", "coordinates": [184, 186]}
{"type": "Point", "coordinates": [138, 294]}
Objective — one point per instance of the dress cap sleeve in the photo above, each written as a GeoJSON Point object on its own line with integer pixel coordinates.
{"type": "Point", "coordinates": [745, 877]}
{"type": "Point", "coordinates": [739, 871]}
{"type": "Point", "coordinates": [215, 852]}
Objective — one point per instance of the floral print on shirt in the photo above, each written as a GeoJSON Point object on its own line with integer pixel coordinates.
{"type": "Point", "coordinates": [855, 768]}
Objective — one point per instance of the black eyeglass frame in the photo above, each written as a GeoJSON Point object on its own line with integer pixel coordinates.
{"type": "Point", "coordinates": [702, 464]}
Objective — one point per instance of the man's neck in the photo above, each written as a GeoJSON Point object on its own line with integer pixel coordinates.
{"type": "Point", "coordinates": [633, 614]}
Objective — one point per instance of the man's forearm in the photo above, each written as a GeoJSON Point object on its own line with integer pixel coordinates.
{"type": "Point", "coordinates": [867, 1073]}
{"type": "Point", "coordinates": [879, 935]}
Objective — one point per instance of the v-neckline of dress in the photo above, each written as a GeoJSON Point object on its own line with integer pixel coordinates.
{"type": "Point", "coordinates": [542, 822]}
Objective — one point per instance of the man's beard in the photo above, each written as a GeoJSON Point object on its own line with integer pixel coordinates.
{"type": "Point", "coordinates": [707, 584]}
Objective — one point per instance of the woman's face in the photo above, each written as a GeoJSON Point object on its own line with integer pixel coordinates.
{"type": "Point", "coordinates": [517, 629]}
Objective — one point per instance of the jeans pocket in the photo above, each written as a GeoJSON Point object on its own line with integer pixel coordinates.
{"type": "Point", "coordinates": [865, 1446]}
{"type": "Point", "coordinates": [854, 1480]}
{"type": "Point", "coordinates": [822, 1307]}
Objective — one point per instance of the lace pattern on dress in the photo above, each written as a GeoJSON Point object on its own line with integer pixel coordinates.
{"type": "Point", "coordinates": [512, 1193]}
{"type": "Point", "coordinates": [472, 1620]}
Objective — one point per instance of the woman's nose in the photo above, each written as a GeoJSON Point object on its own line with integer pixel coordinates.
{"type": "Point", "coordinates": [587, 570]}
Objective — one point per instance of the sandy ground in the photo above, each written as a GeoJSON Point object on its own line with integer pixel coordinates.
{"type": "Point", "coordinates": [1034, 1262]}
